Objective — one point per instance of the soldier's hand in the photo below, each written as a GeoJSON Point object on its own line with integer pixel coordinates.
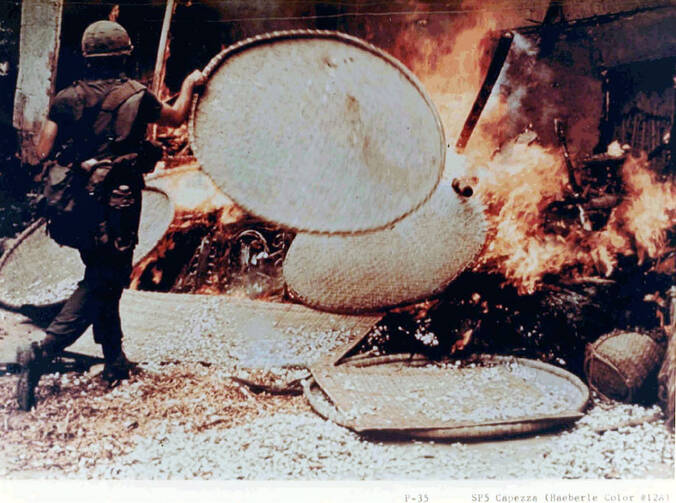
{"type": "Point", "coordinates": [195, 80]}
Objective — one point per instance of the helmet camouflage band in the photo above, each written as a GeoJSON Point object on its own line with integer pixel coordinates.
{"type": "Point", "coordinates": [105, 38]}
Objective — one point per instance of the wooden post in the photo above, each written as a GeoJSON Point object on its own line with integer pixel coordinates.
{"type": "Point", "coordinates": [667, 375]}
{"type": "Point", "coordinates": [39, 53]}
{"type": "Point", "coordinates": [158, 73]}
{"type": "Point", "coordinates": [497, 62]}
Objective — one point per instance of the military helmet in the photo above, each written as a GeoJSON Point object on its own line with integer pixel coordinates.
{"type": "Point", "coordinates": [105, 38]}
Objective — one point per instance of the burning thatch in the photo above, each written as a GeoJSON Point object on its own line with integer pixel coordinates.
{"type": "Point", "coordinates": [581, 236]}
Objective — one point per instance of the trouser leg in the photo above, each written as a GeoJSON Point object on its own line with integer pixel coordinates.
{"type": "Point", "coordinates": [111, 272]}
{"type": "Point", "coordinates": [96, 301]}
{"type": "Point", "coordinates": [108, 333]}
{"type": "Point", "coordinates": [72, 321]}
{"type": "Point", "coordinates": [107, 325]}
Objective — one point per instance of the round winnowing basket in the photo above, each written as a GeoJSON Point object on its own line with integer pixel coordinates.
{"type": "Point", "coordinates": [37, 271]}
{"type": "Point", "coordinates": [317, 131]}
{"type": "Point", "coordinates": [496, 396]}
{"type": "Point", "coordinates": [416, 258]}
{"type": "Point", "coordinates": [618, 364]}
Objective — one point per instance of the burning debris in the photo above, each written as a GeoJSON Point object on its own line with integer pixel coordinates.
{"type": "Point", "coordinates": [212, 247]}
{"type": "Point", "coordinates": [201, 254]}
{"type": "Point", "coordinates": [579, 245]}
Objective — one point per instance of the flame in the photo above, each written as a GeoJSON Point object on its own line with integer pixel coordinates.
{"type": "Point", "coordinates": [450, 67]}
{"type": "Point", "coordinates": [650, 208]}
{"type": "Point", "coordinates": [519, 175]}
{"type": "Point", "coordinates": [191, 190]}
{"type": "Point", "coordinates": [517, 166]}
{"type": "Point", "coordinates": [114, 13]}
{"type": "Point", "coordinates": [516, 184]}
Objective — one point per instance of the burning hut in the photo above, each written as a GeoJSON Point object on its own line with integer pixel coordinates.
{"type": "Point", "coordinates": [572, 156]}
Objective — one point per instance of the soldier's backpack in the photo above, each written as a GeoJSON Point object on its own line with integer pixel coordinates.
{"type": "Point", "coordinates": [75, 190]}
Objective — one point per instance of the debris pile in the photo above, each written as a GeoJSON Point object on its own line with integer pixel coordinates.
{"type": "Point", "coordinates": [201, 254]}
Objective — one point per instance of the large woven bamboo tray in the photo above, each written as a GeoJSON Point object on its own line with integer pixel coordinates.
{"type": "Point", "coordinates": [416, 258]}
{"type": "Point", "coordinates": [39, 272]}
{"type": "Point", "coordinates": [217, 329]}
{"type": "Point", "coordinates": [317, 131]}
{"type": "Point", "coordinates": [409, 395]}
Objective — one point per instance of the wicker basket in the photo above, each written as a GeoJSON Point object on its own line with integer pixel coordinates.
{"type": "Point", "coordinates": [416, 258]}
{"type": "Point", "coordinates": [408, 395]}
{"type": "Point", "coordinates": [39, 272]}
{"type": "Point", "coordinates": [305, 128]}
{"type": "Point", "coordinates": [666, 379]}
{"type": "Point", "coordinates": [619, 364]}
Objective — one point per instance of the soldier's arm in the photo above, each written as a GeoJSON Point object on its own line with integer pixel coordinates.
{"type": "Point", "coordinates": [46, 139]}
{"type": "Point", "coordinates": [174, 115]}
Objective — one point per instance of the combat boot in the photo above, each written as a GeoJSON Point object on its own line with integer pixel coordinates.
{"type": "Point", "coordinates": [117, 369]}
{"type": "Point", "coordinates": [33, 362]}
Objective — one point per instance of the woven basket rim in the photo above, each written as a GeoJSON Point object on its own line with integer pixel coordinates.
{"type": "Point", "coordinates": [484, 429]}
{"type": "Point", "coordinates": [41, 222]}
{"type": "Point", "coordinates": [169, 172]}
{"type": "Point", "coordinates": [316, 303]}
{"type": "Point", "coordinates": [274, 36]}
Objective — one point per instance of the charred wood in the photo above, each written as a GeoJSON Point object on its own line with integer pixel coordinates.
{"type": "Point", "coordinates": [600, 190]}
{"type": "Point", "coordinates": [494, 69]}
{"type": "Point", "coordinates": [203, 255]}
{"type": "Point", "coordinates": [480, 313]}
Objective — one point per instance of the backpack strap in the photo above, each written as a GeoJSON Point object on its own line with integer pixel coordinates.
{"type": "Point", "coordinates": [112, 101]}
{"type": "Point", "coordinates": [120, 94]}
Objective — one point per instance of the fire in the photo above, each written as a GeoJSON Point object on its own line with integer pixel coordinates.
{"type": "Point", "coordinates": [191, 190]}
{"type": "Point", "coordinates": [513, 157]}
{"type": "Point", "coordinates": [530, 178]}
{"type": "Point", "coordinates": [516, 184]}
{"type": "Point", "coordinates": [450, 67]}
{"type": "Point", "coordinates": [650, 208]}
{"type": "Point", "coordinates": [518, 176]}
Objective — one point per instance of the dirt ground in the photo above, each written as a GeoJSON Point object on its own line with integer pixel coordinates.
{"type": "Point", "coordinates": [190, 420]}
{"type": "Point", "coordinates": [81, 422]}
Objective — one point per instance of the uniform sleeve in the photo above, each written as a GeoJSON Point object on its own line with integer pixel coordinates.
{"type": "Point", "coordinates": [66, 108]}
{"type": "Point", "coordinates": [150, 108]}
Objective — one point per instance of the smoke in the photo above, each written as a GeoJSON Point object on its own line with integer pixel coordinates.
{"type": "Point", "coordinates": [539, 89]}
{"type": "Point", "coordinates": [514, 154]}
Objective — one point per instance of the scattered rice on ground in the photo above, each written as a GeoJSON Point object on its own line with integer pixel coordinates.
{"type": "Point", "coordinates": [187, 421]}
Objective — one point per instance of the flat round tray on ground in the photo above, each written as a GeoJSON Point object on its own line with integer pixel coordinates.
{"type": "Point", "coordinates": [37, 271]}
{"type": "Point", "coordinates": [416, 258]}
{"type": "Point", "coordinates": [405, 395]}
{"type": "Point", "coordinates": [317, 131]}
{"type": "Point", "coordinates": [189, 188]}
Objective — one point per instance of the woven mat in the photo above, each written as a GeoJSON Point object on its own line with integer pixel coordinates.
{"type": "Point", "coordinates": [317, 131]}
{"type": "Point", "coordinates": [218, 329]}
{"type": "Point", "coordinates": [416, 258]}
{"type": "Point", "coordinates": [189, 188]}
{"type": "Point", "coordinates": [38, 271]}
{"type": "Point", "coordinates": [401, 393]}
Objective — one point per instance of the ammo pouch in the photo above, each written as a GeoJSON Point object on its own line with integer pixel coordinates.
{"type": "Point", "coordinates": [122, 222]}
{"type": "Point", "coordinates": [149, 153]}
{"type": "Point", "coordinates": [70, 212]}
{"type": "Point", "coordinates": [111, 183]}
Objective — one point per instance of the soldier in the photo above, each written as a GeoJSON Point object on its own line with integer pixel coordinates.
{"type": "Point", "coordinates": [101, 121]}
